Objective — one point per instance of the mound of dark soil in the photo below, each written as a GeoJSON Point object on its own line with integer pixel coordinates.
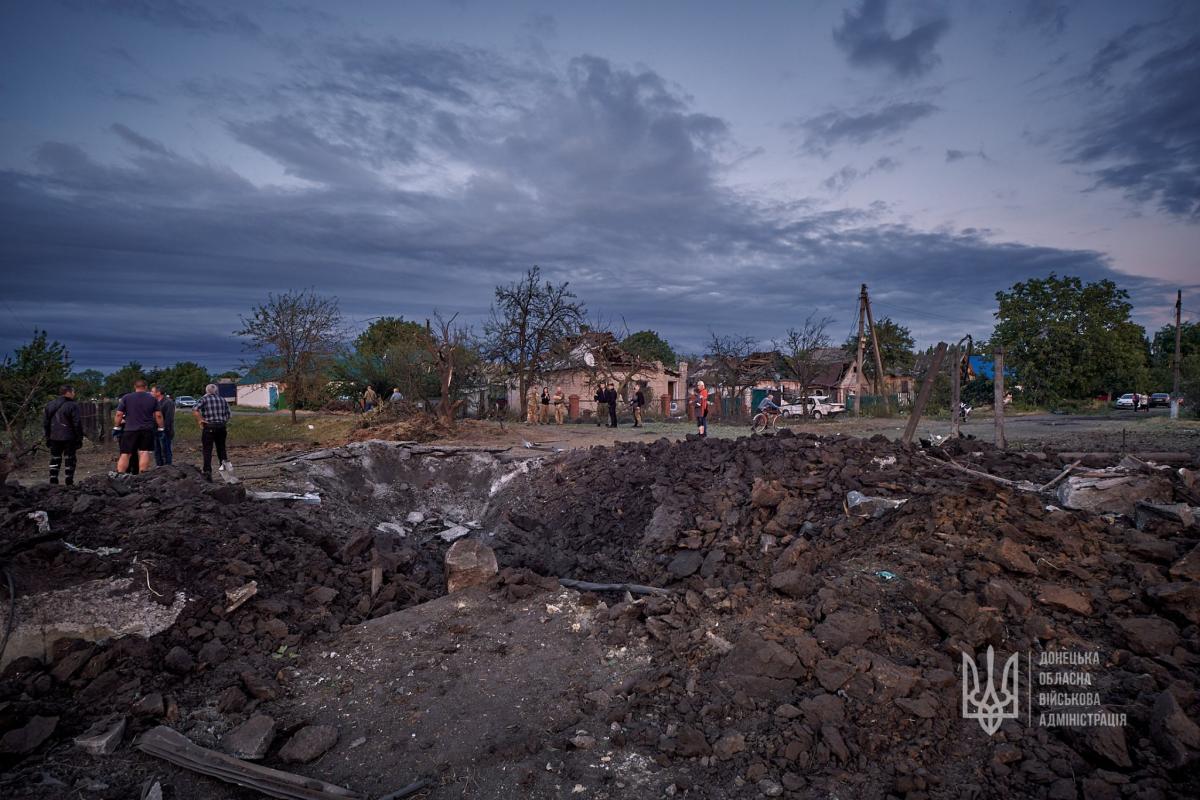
{"type": "Point", "coordinates": [812, 650]}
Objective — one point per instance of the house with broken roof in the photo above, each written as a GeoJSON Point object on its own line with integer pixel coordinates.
{"type": "Point", "coordinates": [825, 371]}
{"type": "Point", "coordinates": [593, 358]}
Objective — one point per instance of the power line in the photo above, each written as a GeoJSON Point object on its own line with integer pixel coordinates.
{"type": "Point", "coordinates": [921, 313]}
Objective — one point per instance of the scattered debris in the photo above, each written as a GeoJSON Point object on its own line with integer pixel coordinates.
{"type": "Point", "coordinates": [454, 533]}
{"type": "Point", "coordinates": [861, 505]}
{"type": "Point", "coordinates": [239, 595]}
{"type": "Point", "coordinates": [103, 738]}
{"type": "Point", "coordinates": [308, 498]}
{"type": "Point", "coordinates": [177, 749]}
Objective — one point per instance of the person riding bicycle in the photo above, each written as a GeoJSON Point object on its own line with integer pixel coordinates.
{"type": "Point", "coordinates": [769, 406]}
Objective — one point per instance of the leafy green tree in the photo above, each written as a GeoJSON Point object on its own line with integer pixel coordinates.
{"type": "Point", "coordinates": [1070, 341]}
{"type": "Point", "coordinates": [895, 347]}
{"type": "Point", "coordinates": [121, 381]}
{"type": "Point", "coordinates": [29, 377]}
{"type": "Point", "coordinates": [649, 346]}
{"type": "Point", "coordinates": [1189, 382]}
{"type": "Point", "coordinates": [385, 333]}
{"type": "Point", "coordinates": [186, 377]}
{"type": "Point", "coordinates": [88, 383]}
{"type": "Point", "coordinates": [1162, 353]}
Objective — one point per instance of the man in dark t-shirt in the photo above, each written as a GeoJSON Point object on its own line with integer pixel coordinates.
{"type": "Point", "coordinates": [138, 412]}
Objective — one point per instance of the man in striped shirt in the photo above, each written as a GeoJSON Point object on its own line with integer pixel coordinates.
{"type": "Point", "coordinates": [213, 415]}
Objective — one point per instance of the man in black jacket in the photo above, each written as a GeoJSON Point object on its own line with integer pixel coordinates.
{"type": "Point", "coordinates": [637, 404]}
{"type": "Point", "coordinates": [610, 397]}
{"type": "Point", "coordinates": [64, 433]}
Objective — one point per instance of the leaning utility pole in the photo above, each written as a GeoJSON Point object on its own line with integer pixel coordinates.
{"type": "Point", "coordinates": [956, 382]}
{"type": "Point", "coordinates": [858, 362]}
{"type": "Point", "coordinates": [998, 381]}
{"type": "Point", "coordinates": [918, 408]}
{"type": "Point", "coordinates": [1178, 329]}
{"type": "Point", "coordinates": [879, 377]}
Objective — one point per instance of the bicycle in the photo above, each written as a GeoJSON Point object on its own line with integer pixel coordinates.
{"type": "Point", "coordinates": [763, 420]}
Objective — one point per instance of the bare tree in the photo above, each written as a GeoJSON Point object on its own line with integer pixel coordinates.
{"type": "Point", "coordinates": [736, 369]}
{"type": "Point", "coordinates": [528, 320]}
{"type": "Point", "coordinates": [801, 347]}
{"type": "Point", "coordinates": [447, 346]}
{"type": "Point", "coordinates": [294, 334]}
{"type": "Point", "coordinates": [610, 362]}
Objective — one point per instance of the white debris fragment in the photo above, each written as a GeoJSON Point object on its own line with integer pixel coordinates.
{"type": "Point", "coordinates": [454, 533]}
{"type": "Point", "coordinates": [41, 519]}
{"type": "Point", "coordinates": [392, 527]}
{"type": "Point", "coordinates": [308, 498]}
{"type": "Point", "coordinates": [415, 517]}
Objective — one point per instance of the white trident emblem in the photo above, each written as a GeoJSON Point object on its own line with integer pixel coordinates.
{"type": "Point", "coordinates": [989, 706]}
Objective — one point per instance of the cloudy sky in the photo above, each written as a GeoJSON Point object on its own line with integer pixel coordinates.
{"type": "Point", "coordinates": [687, 166]}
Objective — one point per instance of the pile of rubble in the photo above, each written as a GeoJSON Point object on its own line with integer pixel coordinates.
{"type": "Point", "coordinates": [236, 586]}
{"type": "Point", "coordinates": [806, 602]}
{"type": "Point", "coordinates": [824, 592]}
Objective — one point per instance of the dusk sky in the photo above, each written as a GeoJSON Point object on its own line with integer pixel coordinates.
{"type": "Point", "coordinates": [687, 166]}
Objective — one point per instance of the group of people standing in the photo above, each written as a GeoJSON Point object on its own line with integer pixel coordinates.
{"type": "Point", "coordinates": [538, 405]}
{"type": "Point", "coordinates": [143, 427]}
{"type": "Point", "coordinates": [606, 395]}
{"type": "Point", "coordinates": [370, 398]}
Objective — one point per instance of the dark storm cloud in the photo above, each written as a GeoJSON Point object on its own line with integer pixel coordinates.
{"type": "Point", "coordinates": [1047, 16]}
{"type": "Point", "coordinates": [867, 42]}
{"type": "Point", "coordinates": [1146, 140]}
{"type": "Point", "coordinates": [953, 155]}
{"type": "Point", "coordinates": [1115, 50]}
{"type": "Point", "coordinates": [846, 176]}
{"type": "Point", "coordinates": [825, 131]}
{"type": "Point", "coordinates": [200, 17]}
{"type": "Point", "coordinates": [605, 176]}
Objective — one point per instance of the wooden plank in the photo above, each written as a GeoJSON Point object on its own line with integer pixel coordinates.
{"type": "Point", "coordinates": [923, 396]}
{"type": "Point", "coordinates": [172, 746]}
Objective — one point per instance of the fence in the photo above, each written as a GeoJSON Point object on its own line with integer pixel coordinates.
{"type": "Point", "coordinates": [96, 416]}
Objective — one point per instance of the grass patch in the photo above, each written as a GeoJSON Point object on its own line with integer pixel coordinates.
{"type": "Point", "coordinates": [265, 428]}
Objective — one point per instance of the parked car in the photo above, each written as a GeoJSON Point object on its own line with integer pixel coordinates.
{"type": "Point", "coordinates": [1124, 401]}
{"type": "Point", "coordinates": [1160, 399]}
{"type": "Point", "coordinates": [819, 405]}
{"type": "Point", "coordinates": [792, 408]}
{"type": "Point", "coordinates": [186, 401]}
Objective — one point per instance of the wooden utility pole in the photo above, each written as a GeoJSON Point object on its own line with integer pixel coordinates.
{"type": "Point", "coordinates": [998, 382]}
{"type": "Point", "coordinates": [956, 382]}
{"type": "Point", "coordinates": [935, 367]}
{"type": "Point", "coordinates": [879, 377]}
{"type": "Point", "coordinates": [1178, 329]}
{"type": "Point", "coordinates": [858, 362]}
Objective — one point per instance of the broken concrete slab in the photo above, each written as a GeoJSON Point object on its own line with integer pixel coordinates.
{"type": "Point", "coordinates": [103, 738]}
{"type": "Point", "coordinates": [454, 533]}
{"type": "Point", "coordinates": [469, 562]}
{"type": "Point", "coordinates": [1116, 492]}
{"type": "Point", "coordinates": [1147, 513]}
